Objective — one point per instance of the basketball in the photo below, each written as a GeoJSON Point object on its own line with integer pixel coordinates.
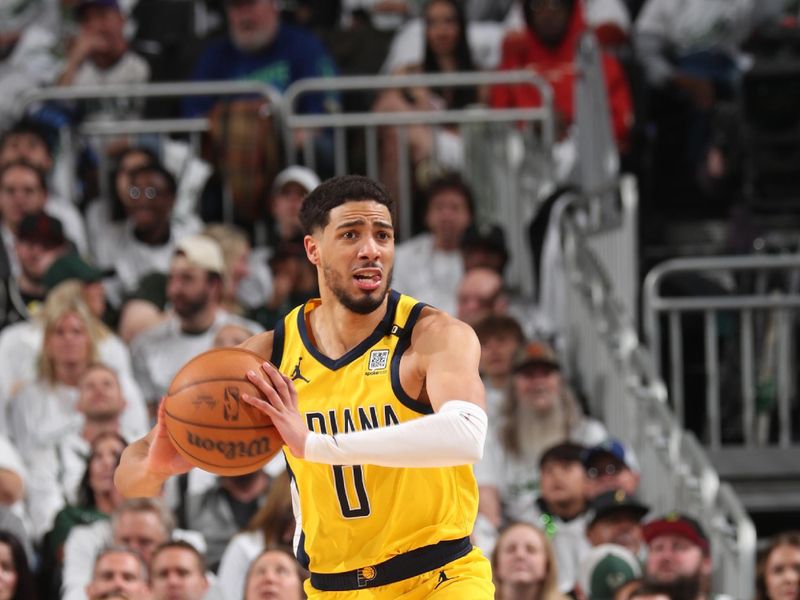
{"type": "Point", "coordinates": [209, 424]}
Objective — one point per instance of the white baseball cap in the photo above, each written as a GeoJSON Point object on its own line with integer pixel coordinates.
{"type": "Point", "coordinates": [202, 251]}
{"type": "Point", "coordinates": [297, 174]}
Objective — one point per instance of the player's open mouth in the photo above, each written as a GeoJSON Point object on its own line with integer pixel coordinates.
{"type": "Point", "coordinates": [368, 279]}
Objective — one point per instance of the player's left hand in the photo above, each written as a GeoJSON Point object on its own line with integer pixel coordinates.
{"type": "Point", "coordinates": [281, 406]}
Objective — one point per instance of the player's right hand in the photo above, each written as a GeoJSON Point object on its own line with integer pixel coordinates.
{"type": "Point", "coordinates": [162, 457]}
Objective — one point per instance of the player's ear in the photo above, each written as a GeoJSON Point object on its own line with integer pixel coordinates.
{"type": "Point", "coordinates": [312, 249]}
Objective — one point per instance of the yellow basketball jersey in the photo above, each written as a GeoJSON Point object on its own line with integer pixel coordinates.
{"type": "Point", "coordinates": [355, 516]}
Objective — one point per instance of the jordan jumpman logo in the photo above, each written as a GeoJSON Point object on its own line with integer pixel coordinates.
{"type": "Point", "coordinates": [296, 374]}
{"type": "Point", "coordinates": [442, 578]}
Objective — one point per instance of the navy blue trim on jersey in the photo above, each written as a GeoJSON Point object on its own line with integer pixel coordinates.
{"type": "Point", "coordinates": [402, 346]}
{"type": "Point", "coordinates": [278, 335]}
{"type": "Point", "coordinates": [380, 331]}
{"type": "Point", "coordinates": [302, 556]}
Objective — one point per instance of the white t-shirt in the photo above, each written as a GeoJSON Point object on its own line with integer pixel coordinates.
{"type": "Point", "coordinates": [159, 353]}
{"type": "Point", "coordinates": [241, 551]}
{"type": "Point", "coordinates": [427, 274]}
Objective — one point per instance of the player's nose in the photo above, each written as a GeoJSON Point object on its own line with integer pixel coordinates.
{"type": "Point", "coordinates": [370, 249]}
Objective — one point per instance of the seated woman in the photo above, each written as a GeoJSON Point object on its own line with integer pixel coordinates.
{"type": "Point", "coordinates": [446, 51]}
{"type": "Point", "coordinates": [524, 565]}
{"type": "Point", "coordinates": [97, 497]}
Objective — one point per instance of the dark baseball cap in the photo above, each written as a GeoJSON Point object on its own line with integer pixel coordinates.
{"type": "Point", "coordinates": [535, 353]}
{"type": "Point", "coordinates": [677, 524]}
{"type": "Point", "coordinates": [71, 266]}
{"type": "Point", "coordinates": [41, 228]}
{"type": "Point", "coordinates": [615, 501]}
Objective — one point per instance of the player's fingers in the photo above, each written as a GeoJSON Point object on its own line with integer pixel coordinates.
{"type": "Point", "coordinates": [261, 405]}
{"type": "Point", "coordinates": [265, 388]}
{"type": "Point", "coordinates": [277, 379]}
{"type": "Point", "coordinates": [292, 390]}
{"type": "Point", "coordinates": [161, 427]}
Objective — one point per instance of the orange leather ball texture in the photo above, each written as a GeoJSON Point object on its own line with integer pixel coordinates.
{"type": "Point", "coordinates": [208, 422]}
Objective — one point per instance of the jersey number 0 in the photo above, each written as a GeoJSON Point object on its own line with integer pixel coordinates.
{"type": "Point", "coordinates": [341, 474]}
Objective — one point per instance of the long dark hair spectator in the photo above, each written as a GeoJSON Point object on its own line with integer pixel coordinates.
{"type": "Point", "coordinates": [25, 589]}
{"type": "Point", "coordinates": [275, 517]}
{"type": "Point", "coordinates": [85, 497]}
{"type": "Point", "coordinates": [461, 96]}
{"type": "Point", "coordinates": [787, 538]}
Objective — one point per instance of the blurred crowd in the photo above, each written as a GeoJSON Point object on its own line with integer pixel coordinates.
{"type": "Point", "coordinates": [120, 262]}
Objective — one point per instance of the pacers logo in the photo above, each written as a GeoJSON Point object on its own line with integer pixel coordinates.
{"type": "Point", "coordinates": [230, 411]}
{"type": "Point", "coordinates": [366, 574]}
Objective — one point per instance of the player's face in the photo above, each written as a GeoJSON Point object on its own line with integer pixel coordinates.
{"type": "Point", "coordinates": [68, 341]}
{"type": "Point", "coordinates": [116, 573]}
{"type": "Point", "coordinates": [21, 193]}
{"type": "Point", "coordinates": [673, 557]}
{"type": "Point", "coordinates": [175, 575]}
{"type": "Point", "coordinates": [8, 573]}
{"type": "Point", "coordinates": [782, 573]}
{"type": "Point", "coordinates": [620, 527]}
{"type": "Point", "coordinates": [521, 557]}
{"type": "Point", "coordinates": [105, 459]}
{"type": "Point", "coordinates": [355, 253]}
{"type": "Point", "coordinates": [274, 576]}
{"type": "Point", "coordinates": [141, 531]}
{"type": "Point", "coordinates": [100, 394]}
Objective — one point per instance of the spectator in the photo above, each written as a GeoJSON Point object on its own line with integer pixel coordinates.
{"type": "Point", "coordinates": [678, 557]}
{"type": "Point", "coordinates": [615, 517]}
{"type": "Point", "coordinates": [93, 499]}
{"type": "Point", "coordinates": [13, 488]}
{"type": "Point", "coordinates": [501, 338]}
{"type": "Point", "coordinates": [429, 265]}
{"type": "Point", "coordinates": [480, 295]}
{"type": "Point", "coordinates": [778, 568]}
{"type": "Point", "coordinates": [446, 51]}
{"type": "Point", "coordinates": [548, 45]}
{"type": "Point", "coordinates": [140, 525]}
{"type": "Point", "coordinates": [105, 212]}
{"type": "Point", "coordinates": [118, 570]}
{"type": "Point", "coordinates": [540, 411]}
{"type": "Point", "coordinates": [39, 242]}
{"type": "Point", "coordinates": [289, 189]}
{"type": "Point", "coordinates": [22, 343]}
{"type": "Point", "coordinates": [59, 468]}
{"type": "Point", "coordinates": [484, 247]}
{"type": "Point", "coordinates": [524, 565]}
{"type": "Point", "coordinates": [23, 190]}
{"type": "Point", "coordinates": [147, 239]}
{"type": "Point", "coordinates": [605, 570]}
{"type": "Point", "coordinates": [259, 45]}
{"type": "Point", "coordinates": [178, 572]}
{"type": "Point", "coordinates": [248, 281]}
{"type": "Point", "coordinates": [194, 289]}
{"type": "Point", "coordinates": [16, 578]}
{"type": "Point", "coordinates": [99, 53]}
{"type": "Point", "coordinates": [223, 510]}
{"type": "Point", "coordinates": [611, 465]}
{"type": "Point", "coordinates": [275, 574]}
{"type": "Point", "coordinates": [273, 525]}
{"type": "Point", "coordinates": [70, 266]}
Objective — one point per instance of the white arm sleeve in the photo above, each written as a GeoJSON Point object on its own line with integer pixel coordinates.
{"type": "Point", "coordinates": [453, 436]}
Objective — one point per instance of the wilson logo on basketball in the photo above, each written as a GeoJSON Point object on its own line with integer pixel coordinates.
{"type": "Point", "coordinates": [231, 450]}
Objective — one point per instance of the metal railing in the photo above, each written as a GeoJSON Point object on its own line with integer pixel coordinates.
{"type": "Point", "coordinates": [757, 321]}
{"type": "Point", "coordinates": [604, 348]}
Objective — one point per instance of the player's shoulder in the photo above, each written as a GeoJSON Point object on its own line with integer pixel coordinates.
{"type": "Point", "coordinates": [260, 343]}
{"type": "Point", "coordinates": [435, 327]}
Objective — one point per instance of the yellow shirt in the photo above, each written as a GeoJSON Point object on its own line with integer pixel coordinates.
{"type": "Point", "coordinates": [355, 516]}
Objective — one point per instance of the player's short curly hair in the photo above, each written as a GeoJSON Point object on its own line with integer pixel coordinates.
{"type": "Point", "coordinates": [316, 208]}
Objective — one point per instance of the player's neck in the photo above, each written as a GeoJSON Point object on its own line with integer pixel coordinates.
{"type": "Point", "coordinates": [337, 330]}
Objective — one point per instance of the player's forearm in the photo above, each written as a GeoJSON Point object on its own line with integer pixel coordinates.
{"type": "Point", "coordinates": [453, 436]}
{"type": "Point", "coordinates": [133, 478]}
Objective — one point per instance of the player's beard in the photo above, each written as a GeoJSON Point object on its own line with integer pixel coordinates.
{"type": "Point", "coordinates": [363, 304]}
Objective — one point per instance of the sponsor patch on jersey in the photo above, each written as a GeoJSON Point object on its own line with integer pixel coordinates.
{"type": "Point", "coordinates": [378, 361]}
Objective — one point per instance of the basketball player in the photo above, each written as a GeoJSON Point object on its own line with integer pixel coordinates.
{"type": "Point", "coordinates": [381, 407]}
